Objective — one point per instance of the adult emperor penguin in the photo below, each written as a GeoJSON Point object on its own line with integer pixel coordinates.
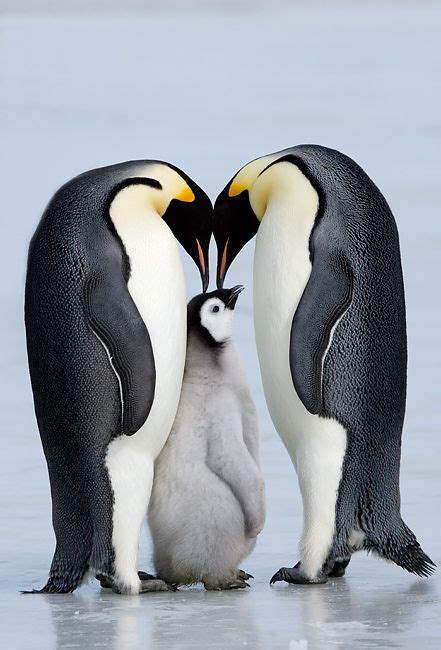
{"type": "Point", "coordinates": [331, 336]}
{"type": "Point", "coordinates": [105, 313]}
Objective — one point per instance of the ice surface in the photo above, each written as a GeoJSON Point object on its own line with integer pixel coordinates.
{"type": "Point", "coordinates": [210, 86]}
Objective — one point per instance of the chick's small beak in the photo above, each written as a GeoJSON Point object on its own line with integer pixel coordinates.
{"type": "Point", "coordinates": [234, 294]}
{"type": "Point", "coordinates": [203, 266]}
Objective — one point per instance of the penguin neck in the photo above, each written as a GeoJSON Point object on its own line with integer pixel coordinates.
{"type": "Point", "coordinates": [204, 360]}
{"type": "Point", "coordinates": [282, 268]}
{"type": "Point", "coordinates": [282, 263]}
{"type": "Point", "coordinates": [137, 200]}
{"type": "Point", "coordinates": [136, 213]}
{"type": "Point", "coordinates": [284, 189]}
{"type": "Point", "coordinates": [152, 251]}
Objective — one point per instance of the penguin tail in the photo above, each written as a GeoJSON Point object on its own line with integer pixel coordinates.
{"type": "Point", "coordinates": [47, 589]}
{"type": "Point", "coordinates": [65, 575]}
{"type": "Point", "coordinates": [400, 546]}
{"type": "Point", "coordinates": [53, 587]}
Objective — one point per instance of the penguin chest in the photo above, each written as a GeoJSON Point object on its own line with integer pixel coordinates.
{"type": "Point", "coordinates": [281, 272]}
{"type": "Point", "coordinates": [157, 287]}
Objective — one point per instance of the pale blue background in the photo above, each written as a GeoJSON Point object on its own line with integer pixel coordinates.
{"type": "Point", "coordinates": [209, 86]}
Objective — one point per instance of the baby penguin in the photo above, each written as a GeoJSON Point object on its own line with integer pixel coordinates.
{"type": "Point", "coordinates": [208, 504]}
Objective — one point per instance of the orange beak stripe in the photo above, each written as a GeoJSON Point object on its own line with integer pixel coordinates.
{"type": "Point", "coordinates": [224, 260]}
{"type": "Point", "coordinates": [201, 256]}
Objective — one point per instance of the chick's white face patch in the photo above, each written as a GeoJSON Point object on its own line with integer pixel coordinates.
{"type": "Point", "coordinates": [217, 319]}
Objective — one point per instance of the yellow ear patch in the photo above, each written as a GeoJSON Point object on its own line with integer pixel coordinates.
{"type": "Point", "coordinates": [186, 195]}
{"type": "Point", "coordinates": [246, 176]}
{"type": "Point", "coordinates": [237, 187]}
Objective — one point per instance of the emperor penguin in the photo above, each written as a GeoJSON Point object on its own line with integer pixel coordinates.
{"type": "Point", "coordinates": [330, 328]}
{"type": "Point", "coordinates": [207, 504]}
{"type": "Point", "coordinates": [105, 313]}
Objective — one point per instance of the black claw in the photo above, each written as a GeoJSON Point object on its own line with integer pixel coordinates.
{"type": "Point", "coordinates": [279, 576]}
{"type": "Point", "coordinates": [295, 576]}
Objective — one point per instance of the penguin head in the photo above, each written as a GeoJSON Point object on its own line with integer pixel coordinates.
{"type": "Point", "coordinates": [234, 220]}
{"type": "Point", "coordinates": [211, 314]}
{"type": "Point", "coordinates": [241, 205]}
{"type": "Point", "coordinates": [176, 198]}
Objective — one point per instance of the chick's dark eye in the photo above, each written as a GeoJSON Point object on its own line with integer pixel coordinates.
{"type": "Point", "coordinates": [215, 308]}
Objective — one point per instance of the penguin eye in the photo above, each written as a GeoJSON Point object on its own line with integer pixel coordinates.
{"type": "Point", "coordinates": [215, 308]}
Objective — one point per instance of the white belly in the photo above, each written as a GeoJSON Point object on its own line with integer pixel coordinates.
{"type": "Point", "coordinates": [281, 272]}
{"type": "Point", "coordinates": [158, 290]}
{"type": "Point", "coordinates": [157, 287]}
{"type": "Point", "coordinates": [316, 445]}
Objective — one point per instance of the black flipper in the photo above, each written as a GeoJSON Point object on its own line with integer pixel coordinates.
{"type": "Point", "coordinates": [326, 297]}
{"type": "Point", "coordinates": [115, 320]}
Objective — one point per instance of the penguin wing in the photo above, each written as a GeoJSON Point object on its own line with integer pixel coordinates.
{"type": "Point", "coordinates": [325, 299]}
{"type": "Point", "coordinates": [228, 457]}
{"type": "Point", "coordinates": [116, 322]}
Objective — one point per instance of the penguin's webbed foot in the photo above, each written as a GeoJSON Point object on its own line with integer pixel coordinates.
{"type": "Point", "coordinates": [149, 583]}
{"type": "Point", "coordinates": [105, 581]}
{"type": "Point", "coordinates": [244, 575]}
{"type": "Point", "coordinates": [142, 575]}
{"type": "Point", "coordinates": [339, 568]}
{"type": "Point", "coordinates": [238, 582]}
{"type": "Point", "coordinates": [155, 584]}
{"type": "Point", "coordinates": [295, 576]}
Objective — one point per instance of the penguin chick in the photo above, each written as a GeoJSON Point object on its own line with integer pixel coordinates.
{"type": "Point", "coordinates": [208, 503]}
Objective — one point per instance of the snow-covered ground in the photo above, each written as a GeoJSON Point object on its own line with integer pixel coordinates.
{"type": "Point", "coordinates": [210, 86]}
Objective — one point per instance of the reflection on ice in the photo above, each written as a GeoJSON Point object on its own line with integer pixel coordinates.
{"type": "Point", "coordinates": [342, 614]}
{"type": "Point", "coordinates": [103, 619]}
{"type": "Point", "coordinates": [339, 616]}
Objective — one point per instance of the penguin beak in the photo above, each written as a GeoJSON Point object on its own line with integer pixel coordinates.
{"type": "Point", "coordinates": [222, 265]}
{"type": "Point", "coordinates": [234, 224]}
{"type": "Point", "coordinates": [234, 294]}
{"type": "Point", "coordinates": [203, 266]}
{"type": "Point", "coordinates": [191, 222]}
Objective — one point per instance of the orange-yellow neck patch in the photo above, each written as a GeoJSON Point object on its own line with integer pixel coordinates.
{"type": "Point", "coordinates": [237, 187]}
{"type": "Point", "coordinates": [186, 195]}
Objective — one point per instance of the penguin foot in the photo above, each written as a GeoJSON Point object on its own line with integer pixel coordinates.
{"type": "Point", "coordinates": [236, 583]}
{"type": "Point", "coordinates": [155, 584]}
{"type": "Point", "coordinates": [339, 568]}
{"type": "Point", "coordinates": [151, 585]}
{"type": "Point", "coordinates": [295, 576]}
{"type": "Point", "coordinates": [106, 581]}
{"type": "Point", "coordinates": [244, 575]}
{"type": "Point", "coordinates": [142, 575]}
